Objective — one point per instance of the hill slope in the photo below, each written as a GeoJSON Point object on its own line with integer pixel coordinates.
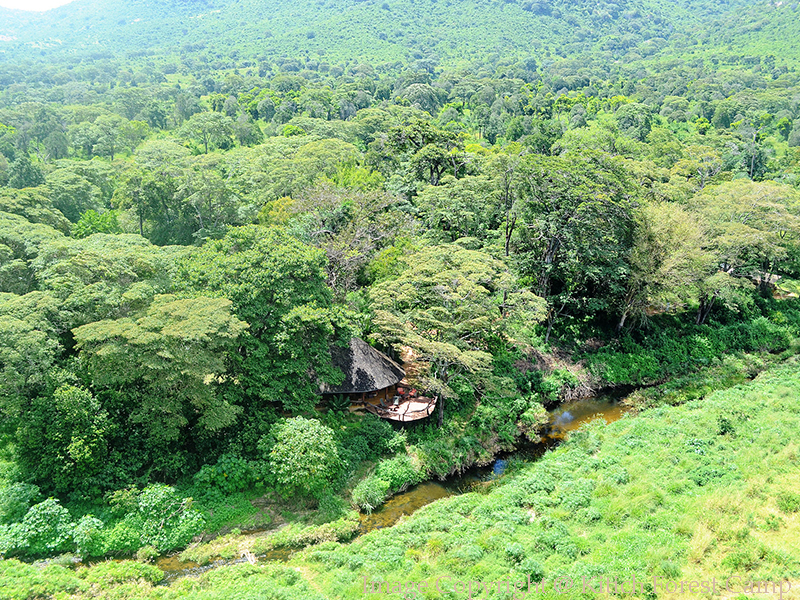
{"type": "Point", "coordinates": [431, 31]}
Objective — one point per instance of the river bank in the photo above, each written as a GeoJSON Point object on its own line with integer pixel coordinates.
{"type": "Point", "coordinates": [248, 547]}
{"type": "Point", "coordinates": [678, 492]}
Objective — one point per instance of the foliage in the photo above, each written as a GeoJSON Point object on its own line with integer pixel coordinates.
{"type": "Point", "coordinates": [522, 198]}
{"type": "Point", "coordinates": [166, 363]}
{"type": "Point", "coordinates": [370, 493]}
{"type": "Point", "coordinates": [229, 475]}
{"type": "Point", "coordinates": [64, 440]}
{"type": "Point", "coordinates": [167, 520]}
{"type": "Point", "coordinates": [291, 320]}
{"type": "Point", "coordinates": [301, 455]}
{"type": "Point", "coordinates": [45, 529]}
{"type": "Point", "coordinates": [92, 222]}
{"type": "Point", "coordinates": [15, 500]}
{"type": "Point", "coordinates": [399, 472]}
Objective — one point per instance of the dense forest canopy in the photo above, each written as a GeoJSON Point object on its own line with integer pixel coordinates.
{"type": "Point", "coordinates": [533, 199]}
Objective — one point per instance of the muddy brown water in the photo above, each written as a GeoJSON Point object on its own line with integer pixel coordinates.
{"type": "Point", "coordinates": [563, 419]}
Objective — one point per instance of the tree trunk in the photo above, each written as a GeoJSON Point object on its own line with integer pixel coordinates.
{"type": "Point", "coordinates": [511, 221]}
{"type": "Point", "coordinates": [622, 319]}
{"type": "Point", "coordinates": [440, 402]}
{"type": "Point", "coordinates": [706, 304]}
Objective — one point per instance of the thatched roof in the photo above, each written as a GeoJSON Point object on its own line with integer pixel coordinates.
{"type": "Point", "coordinates": [365, 369]}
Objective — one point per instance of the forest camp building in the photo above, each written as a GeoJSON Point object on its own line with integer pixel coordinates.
{"type": "Point", "coordinates": [376, 383]}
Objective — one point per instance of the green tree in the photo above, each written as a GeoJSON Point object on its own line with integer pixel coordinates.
{"type": "Point", "coordinates": [754, 227]}
{"type": "Point", "coordinates": [302, 456]}
{"type": "Point", "coordinates": [207, 196]}
{"type": "Point", "coordinates": [210, 130]}
{"type": "Point", "coordinates": [24, 174]}
{"type": "Point", "coordinates": [20, 243]}
{"type": "Point", "coordinates": [447, 305]}
{"type": "Point", "coordinates": [575, 231]}
{"type": "Point", "coordinates": [109, 139]}
{"type": "Point", "coordinates": [168, 363]}
{"type": "Point", "coordinates": [72, 194]}
{"type": "Point", "coordinates": [150, 190]}
{"type": "Point", "coordinates": [35, 206]}
{"type": "Point", "coordinates": [132, 133]}
{"type": "Point", "coordinates": [30, 326]}
{"type": "Point", "coordinates": [84, 137]}
{"type": "Point", "coordinates": [459, 207]}
{"type": "Point", "coordinates": [430, 151]}
{"type": "Point", "coordinates": [349, 226]}
{"type": "Point", "coordinates": [92, 222]}
{"type": "Point", "coordinates": [667, 260]}
{"type": "Point", "coordinates": [292, 320]}
{"type": "Point", "coordinates": [634, 120]}
{"type": "Point", "coordinates": [104, 276]}
{"type": "Point", "coordinates": [62, 441]}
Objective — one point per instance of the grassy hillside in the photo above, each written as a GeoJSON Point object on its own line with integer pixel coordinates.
{"type": "Point", "coordinates": [430, 31]}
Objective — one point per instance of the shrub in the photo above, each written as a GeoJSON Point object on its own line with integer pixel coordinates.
{"type": "Point", "coordinates": [789, 502]}
{"type": "Point", "coordinates": [88, 536]}
{"type": "Point", "coordinates": [515, 552]}
{"type": "Point", "coordinates": [146, 554]}
{"type": "Point", "coordinates": [168, 521]}
{"type": "Point", "coordinates": [370, 493]}
{"type": "Point", "coordinates": [369, 438]}
{"type": "Point", "coordinates": [532, 568]}
{"type": "Point", "coordinates": [302, 456]}
{"type": "Point", "coordinates": [124, 537]}
{"type": "Point", "coordinates": [15, 500]}
{"type": "Point", "coordinates": [399, 472]}
{"type": "Point", "coordinates": [229, 475]}
{"type": "Point", "coordinates": [12, 539]}
{"type": "Point", "coordinates": [47, 528]}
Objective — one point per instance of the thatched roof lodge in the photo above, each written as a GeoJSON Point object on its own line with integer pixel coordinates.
{"type": "Point", "coordinates": [376, 383]}
{"type": "Point", "coordinates": [365, 369]}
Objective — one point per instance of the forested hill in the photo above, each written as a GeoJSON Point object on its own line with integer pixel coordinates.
{"type": "Point", "coordinates": [431, 32]}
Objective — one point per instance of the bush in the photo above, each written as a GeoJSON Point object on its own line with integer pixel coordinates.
{"type": "Point", "coordinates": [146, 554]}
{"type": "Point", "coordinates": [370, 493]}
{"type": "Point", "coordinates": [124, 537]}
{"type": "Point", "coordinates": [368, 439]}
{"type": "Point", "coordinates": [789, 502]}
{"type": "Point", "coordinates": [230, 474]}
{"type": "Point", "coordinates": [12, 539]}
{"type": "Point", "coordinates": [88, 536]}
{"type": "Point", "coordinates": [47, 527]}
{"type": "Point", "coordinates": [168, 521]}
{"type": "Point", "coordinates": [302, 456]}
{"type": "Point", "coordinates": [15, 500]}
{"type": "Point", "coordinates": [399, 472]}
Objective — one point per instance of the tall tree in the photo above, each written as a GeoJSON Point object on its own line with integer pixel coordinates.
{"type": "Point", "coordinates": [668, 260]}
{"type": "Point", "coordinates": [446, 305]}
{"type": "Point", "coordinates": [754, 226]}
{"type": "Point", "coordinates": [166, 363]}
{"type": "Point", "coordinates": [24, 174]}
{"type": "Point", "coordinates": [575, 230]}
{"type": "Point", "coordinates": [277, 285]}
{"type": "Point", "coordinates": [210, 130]}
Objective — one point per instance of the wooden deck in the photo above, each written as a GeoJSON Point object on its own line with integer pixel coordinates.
{"type": "Point", "coordinates": [409, 405]}
{"type": "Point", "coordinates": [412, 409]}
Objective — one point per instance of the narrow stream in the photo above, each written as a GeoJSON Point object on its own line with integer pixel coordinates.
{"type": "Point", "coordinates": [563, 419]}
